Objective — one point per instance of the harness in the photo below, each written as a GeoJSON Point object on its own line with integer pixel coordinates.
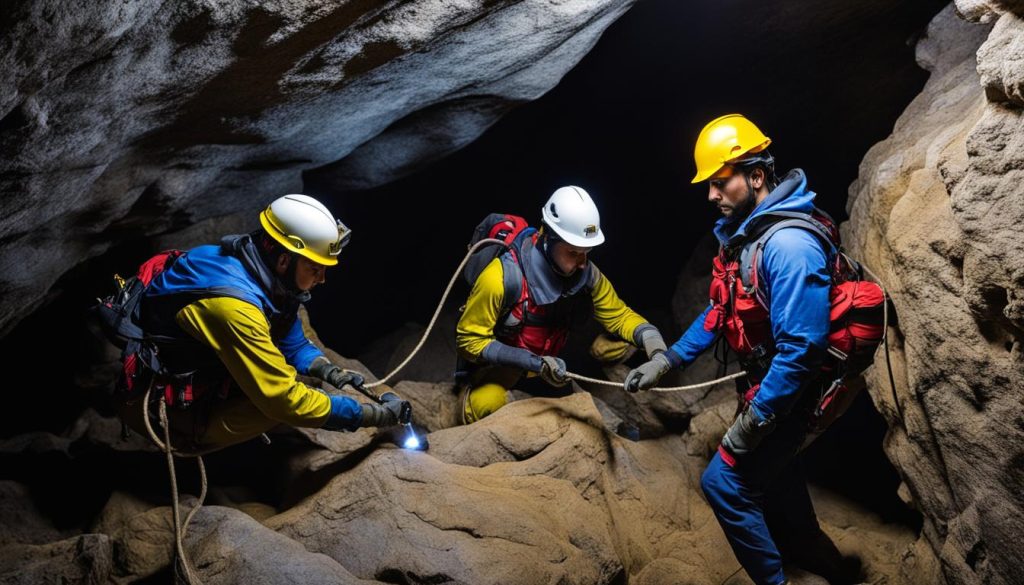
{"type": "Point", "coordinates": [541, 329]}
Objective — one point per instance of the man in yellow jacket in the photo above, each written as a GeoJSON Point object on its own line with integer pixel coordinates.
{"type": "Point", "coordinates": [522, 305]}
{"type": "Point", "coordinates": [224, 320]}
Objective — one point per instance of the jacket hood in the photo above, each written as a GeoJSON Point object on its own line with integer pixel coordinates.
{"type": "Point", "coordinates": [790, 195]}
{"type": "Point", "coordinates": [545, 285]}
{"type": "Point", "coordinates": [242, 247]}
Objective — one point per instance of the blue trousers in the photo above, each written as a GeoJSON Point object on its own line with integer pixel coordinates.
{"type": "Point", "coordinates": [765, 487]}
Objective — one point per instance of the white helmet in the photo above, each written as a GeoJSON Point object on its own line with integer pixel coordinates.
{"type": "Point", "coordinates": [572, 215]}
{"type": "Point", "coordinates": [303, 225]}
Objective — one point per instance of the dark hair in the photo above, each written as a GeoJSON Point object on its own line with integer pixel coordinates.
{"type": "Point", "coordinates": [765, 161]}
{"type": "Point", "coordinates": [270, 249]}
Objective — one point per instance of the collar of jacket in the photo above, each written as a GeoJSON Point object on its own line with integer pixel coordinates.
{"type": "Point", "coordinates": [546, 286]}
{"type": "Point", "coordinates": [243, 248]}
{"type": "Point", "coordinates": [790, 195]}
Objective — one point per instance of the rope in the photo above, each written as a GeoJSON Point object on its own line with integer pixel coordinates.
{"type": "Point", "coordinates": [670, 389]}
{"type": "Point", "coordinates": [437, 312]}
{"type": "Point", "coordinates": [885, 342]}
{"type": "Point", "coordinates": [444, 298]}
{"type": "Point", "coordinates": [183, 569]}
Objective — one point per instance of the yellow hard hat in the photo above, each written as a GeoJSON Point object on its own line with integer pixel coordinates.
{"type": "Point", "coordinates": [725, 139]}
{"type": "Point", "coordinates": [303, 225]}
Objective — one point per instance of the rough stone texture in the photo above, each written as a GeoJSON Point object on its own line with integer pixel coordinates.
{"type": "Point", "coordinates": [227, 546]}
{"type": "Point", "coordinates": [988, 10]}
{"type": "Point", "coordinates": [135, 119]}
{"type": "Point", "coordinates": [20, 521]}
{"type": "Point", "coordinates": [557, 476]}
{"type": "Point", "coordinates": [936, 212]}
{"type": "Point", "coordinates": [82, 559]}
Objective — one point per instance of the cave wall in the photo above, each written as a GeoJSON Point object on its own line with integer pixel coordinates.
{"type": "Point", "coordinates": [936, 211]}
{"type": "Point", "coordinates": [134, 119]}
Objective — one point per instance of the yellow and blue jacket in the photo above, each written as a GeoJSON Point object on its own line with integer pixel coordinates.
{"type": "Point", "coordinates": [224, 298]}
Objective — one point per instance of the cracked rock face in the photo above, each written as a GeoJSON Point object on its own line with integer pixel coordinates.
{"type": "Point", "coordinates": [937, 209]}
{"type": "Point", "coordinates": [134, 119]}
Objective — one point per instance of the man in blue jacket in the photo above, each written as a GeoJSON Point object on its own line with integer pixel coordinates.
{"type": "Point", "coordinates": [779, 331]}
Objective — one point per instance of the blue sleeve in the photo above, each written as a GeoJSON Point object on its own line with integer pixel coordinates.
{"type": "Point", "coordinates": [694, 342]}
{"type": "Point", "coordinates": [796, 282]}
{"type": "Point", "coordinates": [346, 414]}
{"type": "Point", "coordinates": [297, 349]}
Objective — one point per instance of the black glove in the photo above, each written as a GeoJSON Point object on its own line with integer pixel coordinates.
{"type": "Point", "coordinates": [552, 371]}
{"type": "Point", "coordinates": [646, 376]}
{"type": "Point", "coordinates": [404, 408]}
{"type": "Point", "coordinates": [747, 432]}
{"type": "Point", "coordinates": [386, 414]}
{"type": "Point", "coordinates": [334, 375]}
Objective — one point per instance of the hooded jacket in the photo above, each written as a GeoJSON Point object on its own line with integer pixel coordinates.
{"type": "Point", "coordinates": [795, 282]}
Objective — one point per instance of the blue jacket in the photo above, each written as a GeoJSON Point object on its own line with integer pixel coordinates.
{"type": "Point", "coordinates": [793, 275]}
{"type": "Point", "coordinates": [232, 270]}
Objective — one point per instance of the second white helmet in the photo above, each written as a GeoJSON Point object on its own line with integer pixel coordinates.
{"type": "Point", "coordinates": [572, 215]}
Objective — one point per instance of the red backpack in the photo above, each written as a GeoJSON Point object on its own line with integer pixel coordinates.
{"type": "Point", "coordinates": [856, 310]}
{"type": "Point", "coordinates": [119, 316]}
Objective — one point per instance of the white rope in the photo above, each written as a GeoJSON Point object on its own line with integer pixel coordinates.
{"type": "Point", "coordinates": [669, 389]}
{"type": "Point", "coordinates": [180, 530]}
{"type": "Point", "coordinates": [437, 312]}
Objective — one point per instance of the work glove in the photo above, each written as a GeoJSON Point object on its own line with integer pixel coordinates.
{"type": "Point", "coordinates": [388, 413]}
{"type": "Point", "coordinates": [334, 375]}
{"type": "Point", "coordinates": [747, 432]}
{"type": "Point", "coordinates": [552, 371]}
{"type": "Point", "coordinates": [646, 376]}
{"type": "Point", "coordinates": [651, 340]}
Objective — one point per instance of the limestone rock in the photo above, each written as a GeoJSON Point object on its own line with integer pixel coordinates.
{"type": "Point", "coordinates": [936, 212]}
{"type": "Point", "coordinates": [82, 559]}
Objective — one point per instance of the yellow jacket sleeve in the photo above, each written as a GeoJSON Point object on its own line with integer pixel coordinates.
{"type": "Point", "coordinates": [475, 330]}
{"type": "Point", "coordinates": [240, 335]}
{"type": "Point", "coordinates": [611, 312]}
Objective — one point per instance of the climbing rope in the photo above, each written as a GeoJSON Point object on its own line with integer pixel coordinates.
{"type": "Point", "coordinates": [183, 569]}
{"type": "Point", "coordinates": [885, 342]}
{"type": "Point", "coordinates": [437, 312]}
{"type": "Point", "coordinates": [669, 389]}
{"type": "Point", "coordinates": [444, 298]}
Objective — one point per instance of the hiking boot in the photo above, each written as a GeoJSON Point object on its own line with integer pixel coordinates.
{"type": "Point", "coordinates": [818, 554]}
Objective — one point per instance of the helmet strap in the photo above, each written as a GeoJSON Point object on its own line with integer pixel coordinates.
{"type": "Point", "coordinates": [547, 245]}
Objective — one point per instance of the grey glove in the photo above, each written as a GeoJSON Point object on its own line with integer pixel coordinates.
{"type": "Point", "coordinates": [552, 371]}
{"type": "Point", "coordinates": [649, 338]}
{"type": "Point", "coordinates": [334, 375]}
{"type": "Point", "coordinates": [747, 432]}
{"type": "Point", "coordinates": [646, 376]}
{"type": "Point", "coordinates": [383, 415]}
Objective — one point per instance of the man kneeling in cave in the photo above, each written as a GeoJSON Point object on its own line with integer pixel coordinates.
{"type": "Point", "coordinates": [779, 328]}
{"type": "Point", "coordinates": [223, 322]}
{"type": "Point", "coordinates": [524, 300]}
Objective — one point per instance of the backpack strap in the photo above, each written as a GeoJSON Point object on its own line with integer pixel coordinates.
{"type": "Point", "coordinates": [750, 255]}
{"type": "Point", "coordinates": [513, 282]}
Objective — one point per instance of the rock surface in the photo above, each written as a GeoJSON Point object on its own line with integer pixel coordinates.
{"type": "Point", "coordinates": [936, 212]}
{"type": "Point", "coordinates": [132, 120]}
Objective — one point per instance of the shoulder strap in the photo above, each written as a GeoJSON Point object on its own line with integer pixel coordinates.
{"type": "Point", "coordinates": [512, 282]}
{"type": "Point", "coordinates": [750, 255]}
